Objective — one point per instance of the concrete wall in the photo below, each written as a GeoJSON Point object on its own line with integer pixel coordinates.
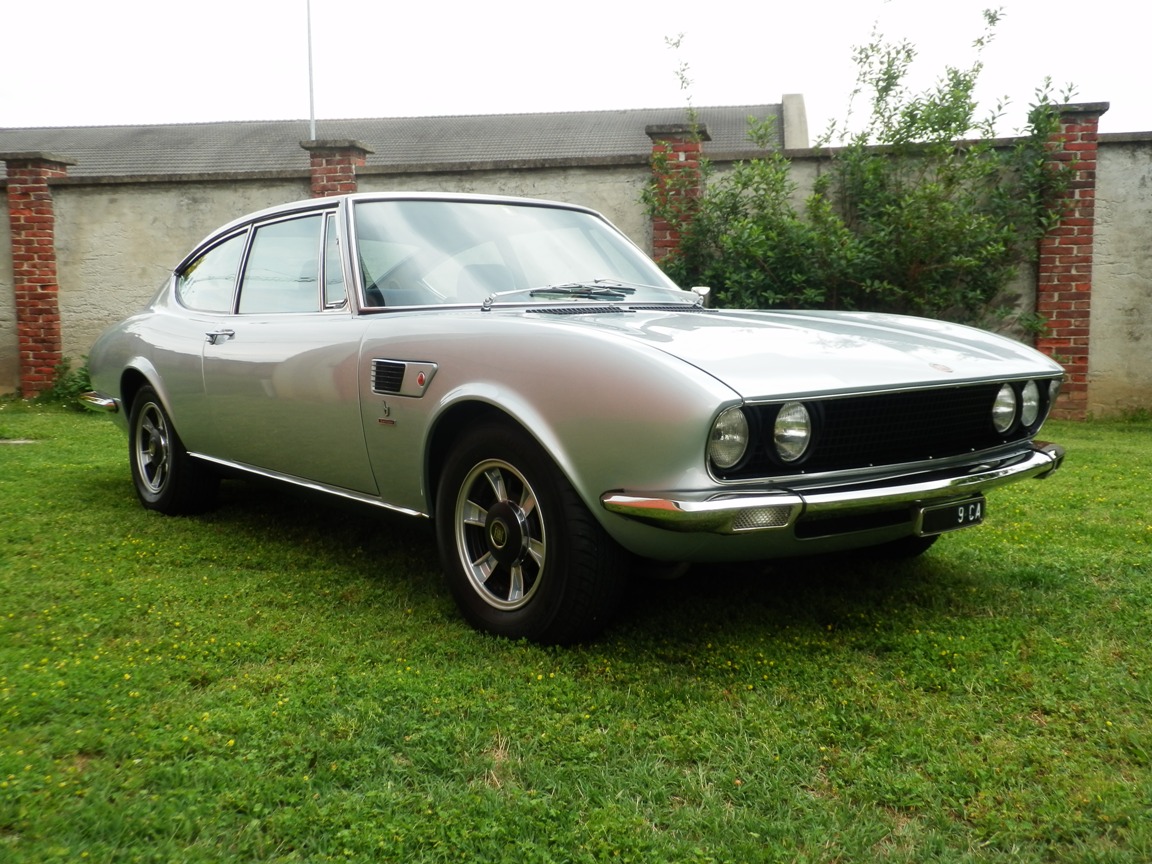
{"type": "Point", "coordinates": [1120, 371]}
{"type": "Point", "coordinates": [115, 244]}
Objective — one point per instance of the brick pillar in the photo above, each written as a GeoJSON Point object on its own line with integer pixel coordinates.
{"type": "Point", "coordinates": [333, 165]}
{"type": "Point", "coordinates": [1064, 276]}
{"type": "Point", "coordinates": [33, 225]}
{"type": "Point", "coordinates": [677, 149]}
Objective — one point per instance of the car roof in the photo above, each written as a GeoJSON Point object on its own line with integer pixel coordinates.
{"type": "Point", "coordinates": [308, 204]}
{"type": "Point", "coordinates": [331, 202]}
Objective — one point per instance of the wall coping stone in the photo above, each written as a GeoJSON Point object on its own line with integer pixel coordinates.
{"type": "Point", "coordinates": [1083, 108]}
{"type": "Point", "coordinates": [36, 156]}
{"type": "Point", "coordinates": [665, 130]}
{"type": "Point", "coordinates": [321, 144]}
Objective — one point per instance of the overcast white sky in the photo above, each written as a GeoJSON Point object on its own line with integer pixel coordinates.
{"type": "Point", "coordinates": [104, 62]}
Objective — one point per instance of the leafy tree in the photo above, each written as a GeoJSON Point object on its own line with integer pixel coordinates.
{"type": "Point", "coordinates": [918, 211]}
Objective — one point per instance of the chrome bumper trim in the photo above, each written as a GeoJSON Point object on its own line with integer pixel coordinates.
{"type": "Point", "coordinates": [741, 513]}
{"type": "Point", "coordinates": [99, 402]}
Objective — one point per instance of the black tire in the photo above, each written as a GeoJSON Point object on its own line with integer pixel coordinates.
{"type": "Point", "coordinates": [522, 555]}
{"type": "Point", "coordinates": [166, 478]}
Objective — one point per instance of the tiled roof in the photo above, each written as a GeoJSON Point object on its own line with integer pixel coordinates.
{"type": "Point", "coordinates": [274, 145]}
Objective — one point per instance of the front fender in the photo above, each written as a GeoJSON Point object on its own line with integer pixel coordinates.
{"type": "Point", "coordinates": [624, 416]}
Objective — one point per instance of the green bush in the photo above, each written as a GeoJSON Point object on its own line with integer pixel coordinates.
{"type": "Point", "coordinates": [919, 211]}
{"type": "Point", "coordinates": [67, 385]}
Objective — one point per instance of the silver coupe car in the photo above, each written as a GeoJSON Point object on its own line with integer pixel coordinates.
{"type": "Point", "coordinates": [523, 375]}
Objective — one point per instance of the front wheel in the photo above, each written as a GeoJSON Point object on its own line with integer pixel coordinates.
{"type": "Point", "coordinates": [522, 555]}
{"type": "Point", "coordinates": [166, 478]}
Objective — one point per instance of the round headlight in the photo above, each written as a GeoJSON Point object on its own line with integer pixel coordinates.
{"type": "Point", "coordinates": [792, 432]}
{"type": "Point", "coordinates": [1004, 409]}
{"type": "Point", "coordinates": [728, 440]}
{"type": "Point", "coordinates": [1030, 404]}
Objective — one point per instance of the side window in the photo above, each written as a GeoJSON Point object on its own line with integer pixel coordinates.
{"type": "Point", "coordinates": [283, 269]}
{"type": "Point", "coordinates": [335, 294]}
{"type": "Point", "coordinates": [208, 283]}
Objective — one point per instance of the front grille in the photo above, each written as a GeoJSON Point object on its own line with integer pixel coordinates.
{"type": "Point", "coordinates": [856, 432]}
{"type": "Point", "coordinates": [906, 427]}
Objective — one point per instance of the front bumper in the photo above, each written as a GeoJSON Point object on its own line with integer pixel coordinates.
{"type": "Point", "coordinates": [96, 401]}
{"type": "Point", "coordinates": [762, 511]}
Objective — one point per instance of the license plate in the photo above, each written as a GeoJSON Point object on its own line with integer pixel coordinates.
{"type": "Point", "coordinates": [950, 517]}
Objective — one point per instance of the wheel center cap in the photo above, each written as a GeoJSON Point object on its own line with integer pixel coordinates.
{"type": "Point", "coordinates": [498, 534]}
{"type": "Point", "coordinates": [506, 533]}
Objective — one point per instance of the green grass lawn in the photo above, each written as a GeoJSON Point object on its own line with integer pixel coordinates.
{"type": "Point", "coordinates": [286, 680]}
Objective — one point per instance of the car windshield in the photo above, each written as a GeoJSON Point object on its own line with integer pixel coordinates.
{"type": "Point", "coordinates": [415, 253]}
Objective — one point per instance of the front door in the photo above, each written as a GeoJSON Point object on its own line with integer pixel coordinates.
{"type": "Point", "coordinates": [280, 372]}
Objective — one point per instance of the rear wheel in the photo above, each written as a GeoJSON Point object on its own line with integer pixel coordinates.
{"type": "Point", "coordinates": [166, 478]}
{"type": "Point", "coordinates": [522, 555]}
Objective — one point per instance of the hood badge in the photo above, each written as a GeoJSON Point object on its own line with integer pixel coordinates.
{"type": "Point", "coordinates": [940, 367]}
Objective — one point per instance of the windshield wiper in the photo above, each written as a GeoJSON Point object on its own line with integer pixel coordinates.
{"type": "Point", "coordinates": [595, 289]}
{"type": "Point", "coordinates": [585, 289]}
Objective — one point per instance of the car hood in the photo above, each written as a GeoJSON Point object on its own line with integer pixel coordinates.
{"type": "Point", "coordinates": [776, 354]}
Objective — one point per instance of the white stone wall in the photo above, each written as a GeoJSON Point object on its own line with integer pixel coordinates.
{"type": "Point", "coordinates": [115, 244]}
{"type": "Point", "coordinates": [1120, 366]}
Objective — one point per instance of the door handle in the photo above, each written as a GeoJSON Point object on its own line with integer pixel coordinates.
{"type": "Point", "coordinates": [215, 337]}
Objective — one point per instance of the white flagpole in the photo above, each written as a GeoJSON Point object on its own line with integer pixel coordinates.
{"type": "Point", "coordinates": [311, 91]}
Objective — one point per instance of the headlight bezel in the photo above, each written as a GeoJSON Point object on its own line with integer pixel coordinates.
{"type": "Point", "coordinates": [761, 438]}
{"type": "Point", "coordinates": [1032, 400]}
{"type": "Point", "coordinates": [1031, 404]}
{"type": "Point", "coordinates": [732, 424]}
{"type": "Point", "coordinates": [802, 415]}
{"type": "Point", "coordinates": [1005, 409]}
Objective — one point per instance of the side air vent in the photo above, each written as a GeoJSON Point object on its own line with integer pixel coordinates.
{"type": "Point", "coordinates": [402, 377]}
{"type": "Point", "coordinates": [387, 376]}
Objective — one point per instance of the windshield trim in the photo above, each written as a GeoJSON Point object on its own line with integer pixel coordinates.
{"type": "Point", "coordinates": [409, 257]}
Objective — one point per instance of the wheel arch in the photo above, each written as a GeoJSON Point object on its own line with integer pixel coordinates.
{"type": "Point", "coordinates": [452, 423]}
{"type": "Point", "coordinates": [544, 570]}
{"type": "Point", "coordinates": [133, 377]}
{"type": "Point", "coordinates": [131, 380]}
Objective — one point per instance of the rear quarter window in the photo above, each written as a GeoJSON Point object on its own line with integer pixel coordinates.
{"type": "Point", "coordinates": [208, 284]}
